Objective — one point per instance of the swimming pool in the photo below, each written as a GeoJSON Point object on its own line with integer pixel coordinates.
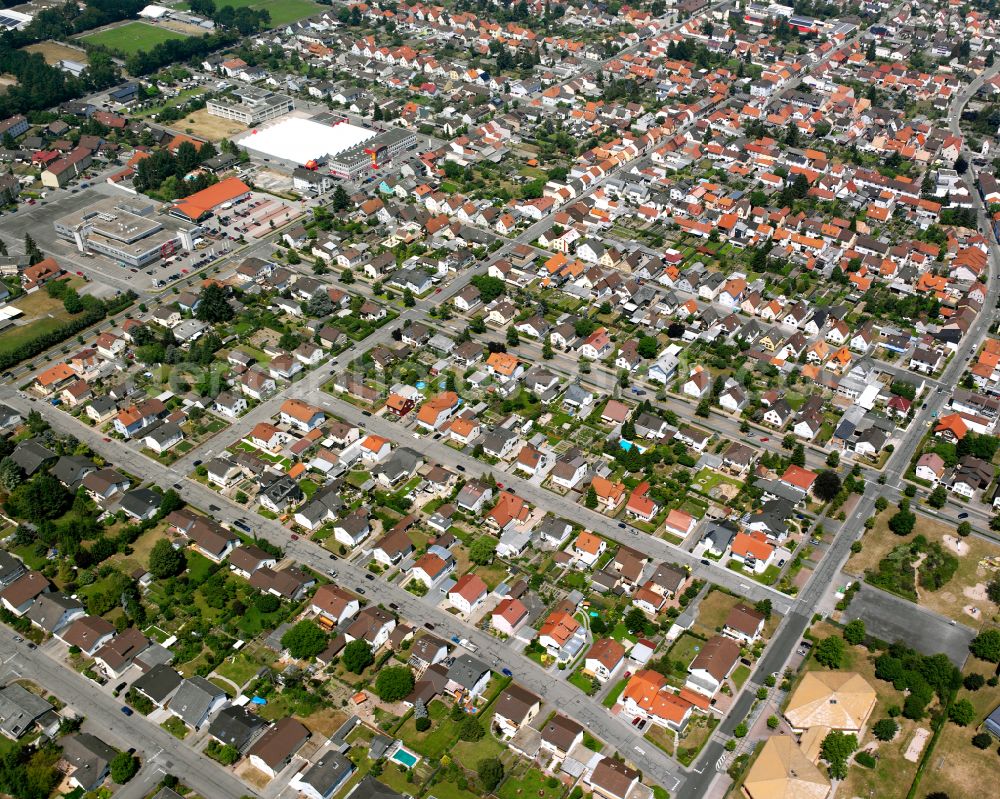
{"type": "Point", "coordinates": [405, 757]}
{"type": "Point", "coordinates": [626, 445]}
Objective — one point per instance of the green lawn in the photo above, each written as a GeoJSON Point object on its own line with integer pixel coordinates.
{"type": "Point", "coordinates": [581, 681]}
{"type": "Point", "coordinates": [198, 566]}
{"type": "Point", "coordinates": [175, 727]}
{"type": "Point", "coordinates": [740, 675]}
{"type": "Point", "coordinates": [531, 784]}
{"type": "Point", "coordinates": [612, 697]}
{"type": "Point", "coordinates": [281, 13]}
{"type": "Point", "coordinates": [240, 670]}
{"type": "Point", "coordinates": [436, 741]}
{"type": "Point", "coordinates": [132, 37]}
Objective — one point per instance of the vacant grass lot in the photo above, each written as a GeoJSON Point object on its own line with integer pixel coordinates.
{"type": "Point", "coordinates": [132, 37]}
{"type": "Point", "coordinates": [281, 13]}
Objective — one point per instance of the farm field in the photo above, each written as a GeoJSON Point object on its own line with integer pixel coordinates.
{"type": "Point", "coordinates": [132, 37]}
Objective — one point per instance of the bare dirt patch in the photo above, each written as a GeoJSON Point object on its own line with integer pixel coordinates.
{"type": "Point", "coordinates": [54, 52]}
{"type": "Point", "coordinates": [916, 745]}
{"type": "Point", "coordinates": [201, 123]}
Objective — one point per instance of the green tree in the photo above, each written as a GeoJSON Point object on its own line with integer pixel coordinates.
{"type": "Point", "coordinates": [938, 497]}
{"type": "Point", "coordinates": [885, 729]}
{"type": "Point", "coordinates": [854, 632]}
{"type": "Point", "coordinates": [962, 712]}
{"type": "Point", "coordinates": [483, 550]}
{"type": "Point", "coordinates": [648, 347]}
{"type": "Point", "coordinates": [903, 520]}
{"type": "Point", "coordinates": [830, 652]}
{"type": "Point", "coordinates": [469, 729]}
{"type": "Point", "coordinates": [357, 656]}
{"type": "Point", "coordinates": [394, 683]}
{"type": "Point", "coordinates": [827, 485]}
{"type": "Point", "coordinates": [165, 561]}
{"type": "Point", "coordinates": [982, 740]}
{"type": "Point", "coordinates": [836, 750]}
{"type": "Point", "coordinates": [491, 772]}
{"type": "Point", "coordinates": [123, 767]}
{"type": "Point", "coordinates": [341, 200]}
{"type": "Point", "coordinates": [635, 621]}
{"type": "Point", "coordinates": [10, 474]}
{"type": "Point", "coordinates": [986, 646]}
{"type": "Point", "coordinates": [214, 307]}
{"type": "Point", "coordinates": [591, 500]}
{"type": "Point", "coordinates": [31, 250]}
{"type": "Point", "coordinates": [305, 640]}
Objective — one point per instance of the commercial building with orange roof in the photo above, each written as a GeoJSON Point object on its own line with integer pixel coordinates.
{"type": "Point", "coordinates": [200, 204]}
{"type": "Point", "coordinates": [54, 378]}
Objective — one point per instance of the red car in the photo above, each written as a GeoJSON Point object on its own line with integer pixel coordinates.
{"type": "Point", "coordinates": [80, 274]}
{"type": "Point", "coordinates": [437, 291]}
{"type": "Point", "coordinates": [499, 485]}
{"type": "Point", "coordinates": [765, 440]}
{"type": "Point", "coordinates": [294, 537]}
{"type": "Point", "coordinates": [107, 439]}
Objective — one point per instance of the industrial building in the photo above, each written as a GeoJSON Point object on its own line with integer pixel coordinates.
{"type": "Point", "coordinates": [297, 141]}
{"type": "Point", "coordinates": [197, 206]}
{"type": "Point", "coordinates": [353, 163]}
{"type": "Point", "coordinates": [250, 105]}
{"type": "Point", "coordinates": [127, 231]}
{"type": "Point", "coordinates": [328, 144]}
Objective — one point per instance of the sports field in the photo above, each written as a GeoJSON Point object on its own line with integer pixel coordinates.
{"type": "Point", "coordinates": [281, 13]}
{"type": "Point", "coordinates": [132, 37]}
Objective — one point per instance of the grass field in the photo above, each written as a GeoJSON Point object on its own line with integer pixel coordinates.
{"type": "Point", "coordinates": [132, 37]}
{"type": "Point", "coordinates": [956, 767]}
{"type": "Point", "coordinates": [281, 13]}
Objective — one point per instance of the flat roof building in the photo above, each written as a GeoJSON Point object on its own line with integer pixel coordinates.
{"type": "Point", "coordinates": [126, 231]}
{"type": "Point", "coordinates": [250, 105]}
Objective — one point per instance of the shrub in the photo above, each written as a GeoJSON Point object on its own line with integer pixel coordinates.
{"type": "Point", "coordinates": [422, 724]}
{"type": "Point", "coordinates": [865, 759]}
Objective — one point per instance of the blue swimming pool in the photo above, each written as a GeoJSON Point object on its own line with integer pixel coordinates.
{"type": "Point", "coordinates": [405, 757]}
{"type": "Point", "coordinates": [627, 445]}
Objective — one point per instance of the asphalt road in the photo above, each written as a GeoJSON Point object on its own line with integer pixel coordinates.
{"type": "Point", "coordinates": [154, 745]}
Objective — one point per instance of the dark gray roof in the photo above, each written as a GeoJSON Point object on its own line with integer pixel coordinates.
{"type": "Point", "coordinates": [158, 683]}
{"type": "Point", "coordinates": [467, 670]}
{"type": "Point", "coordinates": [328, 772]}
{"type": "Point", "coordinates": [30, 455]}
{"type": "Point", "coordinates": [236, 726]}
{"type": "Point", "coordinates": [193, 699]}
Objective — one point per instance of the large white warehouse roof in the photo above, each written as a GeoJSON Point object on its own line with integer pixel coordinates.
{"type": "Point", "coordinates": [302, 140]}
